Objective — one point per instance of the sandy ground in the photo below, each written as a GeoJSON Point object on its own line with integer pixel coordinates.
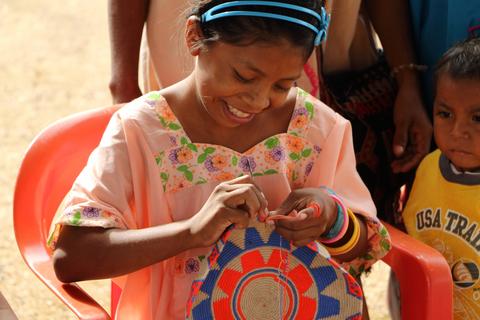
{"type": "Point", "coordinates": [54, 61]}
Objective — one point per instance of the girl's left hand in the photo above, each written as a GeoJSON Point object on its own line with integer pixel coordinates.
{"type": "Point", "coordinates": [304, 227]}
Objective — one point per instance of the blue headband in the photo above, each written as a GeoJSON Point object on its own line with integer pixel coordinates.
{"type": "Point", "coordinates": [322, 18]}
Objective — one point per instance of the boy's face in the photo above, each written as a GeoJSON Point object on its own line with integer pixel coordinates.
{"type": "Point", "coordinates": [456, 121]}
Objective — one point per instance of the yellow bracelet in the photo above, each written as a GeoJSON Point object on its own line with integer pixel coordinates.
{"type": "Point", "coordinates": [350, 244]}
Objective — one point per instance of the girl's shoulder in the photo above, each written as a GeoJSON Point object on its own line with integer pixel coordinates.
{"type": "Point", "coordinates": [143, 107]}
{"type": "Point", "coordinates": [150, 118]}
{"type": "Point", "coordinates": [150, 111]}
{"type": "Point", "coordinates": [322, 119]}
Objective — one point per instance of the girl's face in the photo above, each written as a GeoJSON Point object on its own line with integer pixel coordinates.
{"type": "Point", "coordinates": [456, 121]}
{"type": "Point", "coordinates": [236, 83]}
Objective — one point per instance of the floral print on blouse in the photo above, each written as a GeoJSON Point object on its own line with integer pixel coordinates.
{"type": "Point", "coordinates": [187, 164]}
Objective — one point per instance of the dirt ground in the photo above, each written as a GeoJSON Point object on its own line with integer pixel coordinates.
{"type": "Point", "coordinates": [54, 61]}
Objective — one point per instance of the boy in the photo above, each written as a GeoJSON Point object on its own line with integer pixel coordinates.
{"type": "Point", "coordinates": [444, 205]}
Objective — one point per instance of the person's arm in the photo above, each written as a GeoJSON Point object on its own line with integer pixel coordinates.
{"type": "Point", "coordinates": [336, 48]}
{"type": "Point", "coordinates": [88, 253]}
{"type": "Point", "coordinates": [306, 226]}
{"type": "Point", "coordinates": [126, 21]}
{"type": "Point", "coordinates": [413, 130]}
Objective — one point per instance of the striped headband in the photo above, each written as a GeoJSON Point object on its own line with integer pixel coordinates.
{"type": "Point", "coordinates": [322, 17]}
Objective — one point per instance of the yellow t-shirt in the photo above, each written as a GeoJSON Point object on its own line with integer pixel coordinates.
{"type": "Point", "coordinates": [443, 211]}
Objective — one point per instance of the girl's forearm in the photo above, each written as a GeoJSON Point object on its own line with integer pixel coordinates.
{"type": "Point", "coordinates": [87, 253]}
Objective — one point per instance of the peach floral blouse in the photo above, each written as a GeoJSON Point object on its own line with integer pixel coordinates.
{"type": "Point", "coordinates": [146, 172]}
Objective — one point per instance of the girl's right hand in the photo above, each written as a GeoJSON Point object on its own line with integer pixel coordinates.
{"type": "Point", "coordinates": [231, 202]}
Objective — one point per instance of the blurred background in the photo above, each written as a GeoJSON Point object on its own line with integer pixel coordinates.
{"type": "Point", "coordinates": [55, 61]}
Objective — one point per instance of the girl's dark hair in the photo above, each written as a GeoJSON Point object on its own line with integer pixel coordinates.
{"type": "Point", "coordinates": [462, 61]}
{"type": "Point", "coordinates": [241, 30]}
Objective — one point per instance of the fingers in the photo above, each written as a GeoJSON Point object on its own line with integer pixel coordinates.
{"type": "Point", "coordinates": [247, 197]}
{"type": "Point", "coordinates": [243, 198]}
{"type": "Point", "coordinates": [293, 202]}
{"type": "Point", "coordinates": [241, 179]}
{"type": "Point", "coordinates": [408, 161]}
{"type": "Point", "coordinates": [400, 138]}
{"type": "Point", "coordinates": [418, 147]}
{"type": "Point", "coordinates": [246, 179]}
{"type": "Point", "coordinates": [302, 220]}
{"type": "Point", "coordinates": [299, 238]}
{"type": "Point", "coordinates": [237, 217]}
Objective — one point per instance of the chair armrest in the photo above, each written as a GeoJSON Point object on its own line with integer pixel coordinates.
{"type": "Point", "coordinates": [426, 286]}
{"type": "Point", "coordinates": [74, 297]}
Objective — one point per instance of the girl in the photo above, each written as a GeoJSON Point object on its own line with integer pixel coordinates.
{"type": "Point", "coordinates": [175, 168]}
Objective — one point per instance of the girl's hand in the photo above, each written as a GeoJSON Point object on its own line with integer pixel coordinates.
{"type": "Point", "coordinates": [231, 202]}
{"type": "Point", "coordinates": [304, 227]}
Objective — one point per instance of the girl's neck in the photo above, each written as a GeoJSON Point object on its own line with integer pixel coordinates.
{"type": "Point", "coordinates": [201, 128]}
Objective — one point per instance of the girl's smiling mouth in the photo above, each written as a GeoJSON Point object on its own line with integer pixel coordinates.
{"type": "Point", "coordinates": [237, 115]}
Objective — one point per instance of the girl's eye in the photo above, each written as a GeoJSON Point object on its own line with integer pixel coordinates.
{"type": "Point", "coordinates": [282, 88]}
{"type": "Point", "coordinates": [476, 118]}
{"type": "Point", "coordinates": [241, 78]}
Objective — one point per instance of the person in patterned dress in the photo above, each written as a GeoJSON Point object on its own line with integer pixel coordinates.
{"type": "Point", "coordinates": [234, 141]}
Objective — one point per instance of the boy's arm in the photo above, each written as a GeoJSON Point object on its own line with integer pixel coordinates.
{"type": "Point", "coordinates": [126, 21]}
{"type": "Point", "coordinates": [413, 131]}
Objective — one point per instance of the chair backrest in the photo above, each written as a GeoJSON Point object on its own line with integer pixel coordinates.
{"type": "Point", "coordinates": [424, 277]}
{"type": "Point", "coordinates": [52, 162]}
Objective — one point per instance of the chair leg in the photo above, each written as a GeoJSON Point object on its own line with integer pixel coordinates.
{"type": "Point", "coordinates": [6, 312]}
{"type": "Point", "coordinates": [114, 296]}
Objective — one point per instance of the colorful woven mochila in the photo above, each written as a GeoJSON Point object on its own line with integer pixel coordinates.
{"type": "Point", "coordinates": [254, 273]}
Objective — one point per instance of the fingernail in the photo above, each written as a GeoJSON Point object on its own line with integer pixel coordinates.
{"type": "Point", "coordinates": [302, 216]}
{"type": "Point", "coordinates": [270, 222]}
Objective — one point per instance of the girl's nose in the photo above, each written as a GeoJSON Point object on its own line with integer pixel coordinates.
{"type": "Point", "coordinates": [258, 100]}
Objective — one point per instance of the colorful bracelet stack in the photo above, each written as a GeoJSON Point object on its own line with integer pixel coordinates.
{"type": "Point", "coordinates": [340, 228]}
{"type": "Point", "coordinates": [352, 242]}
{"type": "Point", "coordinates": [341, 223]}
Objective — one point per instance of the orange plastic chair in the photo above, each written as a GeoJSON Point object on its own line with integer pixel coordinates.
{"type": "Point", "coordinates": [426, 285]}
{"type": "Point", "coordinates": [58, 153]}
{"type": "Point", "coordinates": [50, 165]}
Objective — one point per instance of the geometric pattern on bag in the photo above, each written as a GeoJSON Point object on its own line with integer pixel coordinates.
{"type": "Point", "coordinates": [255, 273]}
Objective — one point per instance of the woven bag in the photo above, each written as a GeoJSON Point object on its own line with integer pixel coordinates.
{"type": "Point", "coordinates": [254, 273]}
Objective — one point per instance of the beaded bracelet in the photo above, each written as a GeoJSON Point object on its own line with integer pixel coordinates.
{"type": "Point", "coordinates": [340, 225]}
{"type": "Point", "coordinates": [407, 66]}
{"type": "Point", "coordinates": [352, 242]}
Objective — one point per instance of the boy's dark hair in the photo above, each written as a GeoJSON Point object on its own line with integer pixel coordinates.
{"type": "Point", "coordinates": [462, 61]}
{"type": "Point", "coordinates": [242, 30]}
